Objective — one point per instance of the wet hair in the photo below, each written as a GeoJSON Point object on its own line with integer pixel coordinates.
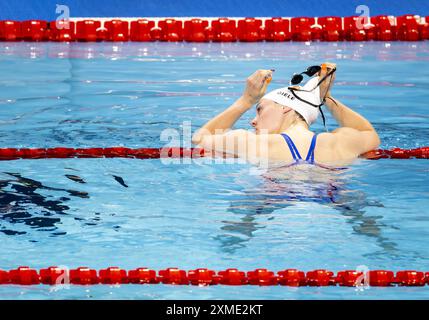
{"type": "Point", "coordinates": [300, 116]}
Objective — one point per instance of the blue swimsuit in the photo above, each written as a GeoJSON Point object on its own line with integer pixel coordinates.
{"type": "Point", "coordinates": [295, 154]}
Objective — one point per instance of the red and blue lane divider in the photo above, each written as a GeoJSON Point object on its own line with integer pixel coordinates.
{"type": "Point", "coordinates": [173, 152]}
{"type": "Point", "coordinates": [379, 28]}
{"type": "Point", "coordinates": [204, 277]}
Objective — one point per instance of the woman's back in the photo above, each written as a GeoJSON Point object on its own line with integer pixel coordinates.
{"type": "Point", "coordinates": [312, 148]}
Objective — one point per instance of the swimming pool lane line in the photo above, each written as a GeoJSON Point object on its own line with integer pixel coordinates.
{"type": "Point", "coordinates": [169, 152]}
{"type": "Point", "coordinates": [202, 277]}
{"type": "Point", "coordinates": [407, 27]}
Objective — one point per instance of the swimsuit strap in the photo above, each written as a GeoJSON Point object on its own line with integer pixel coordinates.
{"type": "Point", "coordinates": [310, 154]}
{"type": "Point", "coordinates": [295, 154]}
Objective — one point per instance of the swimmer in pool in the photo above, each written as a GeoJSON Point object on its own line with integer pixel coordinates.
{"type": "Point", "coordinates": [282, 123]}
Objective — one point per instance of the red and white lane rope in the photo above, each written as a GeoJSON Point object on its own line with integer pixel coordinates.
{"type": "Point", "coordinates": [203, 277]}
{"type": "Point", "coordinates": [156, 153]}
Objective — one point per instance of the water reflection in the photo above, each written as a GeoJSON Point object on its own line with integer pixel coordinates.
{"type": "Point", "coordinates": [283, 188]}
{"type": "Point", "coordinates": [26, 203]}
{"type": "Point", "coordinates": [155, 51]}
{"type": "Point", "coordinates": [22, 203]}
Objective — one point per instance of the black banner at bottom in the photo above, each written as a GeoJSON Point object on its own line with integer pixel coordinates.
{"type": "Point", "coordinates": [213, 309]}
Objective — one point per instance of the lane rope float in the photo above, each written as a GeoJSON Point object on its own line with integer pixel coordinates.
{"type": "Point", "coordinates": [173, 152]}
{"type": "Point", "coordinates": [407, 27]}
{"type": "Point", "coordinates": [203, 277]}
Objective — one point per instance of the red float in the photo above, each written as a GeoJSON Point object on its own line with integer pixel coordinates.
{"type": "Point", "coordinates": [407, 28]}
{"type": "Point", "coordinates": [397, 153]}
{"type": "Point", "coordinates": [117, 30]}
{"type": "Point", "coordinates": [155, 33]}
{"type": "Point", "coordinates": [354, 29]}
{"type": "Point", "coordinates": [232, 277]}
{"type": "Point", "coordinates": [142, 276]}
{"type": "Point", "coordinates": [24, 276]}
{"type": "Point", "coordinates": [424, 31]}
{"type": "Point", "coordinates": [371, 32]}
{"type": "Point", "coordinates": [277, 29]}
{"type": "Point", "coordinates": [59, 152]}
{"type": "Point", "coordinates": [34, 30]}
{"type": "Point", "coordinates": [262, 277]}
{"type": "Point", "coordinates": [320, 278]}
{"type": "Point", "coordinates": [84, 276]}
{"type": "Point", "coordinates": [89, 153]}
{"type": "Point", "coordinates": [384, 28]}
{"type": "Point", "coordinates": [173, 276]}
{"type": "Point", "coordinates": [421, 153]}
{"type": "Point", "coordinates": [102, 34]}
{"type": "Point", "coordinates": [116, 152]}
{"type": "Point", "coordinates": [140, 30]}
{"type": "Point", "coordinates": [4, 277]}
{"type": "Point", "coordinates": [381, 278]}
{"type": "Point", "coordinates": [348, 278]}
{"type": "Point", "coordinates": [195, 30]}
{"type": "Point", "coordinates": [224, 30]}
{"type": "Point", "coordinates": [249, 30]}
{"type": "Point", "coordinates": [375, 154]}
{"type": "Point", "coordinates": [209, 33]}
{"type": "Point", "coordinates": [62, 31]}
{"type": "Point", "coordinates": [52, 276]}
{"type": "Point", "coordinates": [302, 29]}
{"type": "Point", "coordinates": [291, 277]}
{"type": "Point", "coordinates": [113, 275]}
{"type": "Point", "coordinates": [86, 30]}
{"type": "Point", "coordinates": [202, 277]}
{"type": "Point", "coordinates": [32, 153]}
{"type": "Point", "coordinates": [147, 153]}
{"type": "Point", "coordinates": [9, 154]}
{"type": "Point", "coordinates": [10, 30]}
{"type": "Point", "coordinates": [410, 278]}
{"type": "Point", "coordinates": [331, 28]}
{"type": "Point", "coordinates": [171, 30]}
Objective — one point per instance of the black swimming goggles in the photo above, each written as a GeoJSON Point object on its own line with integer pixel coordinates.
{"type": "Point", "coordinates": [298, 77]}
{"type": "Point", "coordinates": [311, 71]}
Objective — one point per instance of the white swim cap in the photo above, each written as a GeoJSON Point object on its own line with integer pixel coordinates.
{"type": "Point", "coordinates": [285, 97]}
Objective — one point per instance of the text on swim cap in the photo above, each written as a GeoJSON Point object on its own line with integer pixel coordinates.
{"type": "Point", "coordinates": [286, 94]}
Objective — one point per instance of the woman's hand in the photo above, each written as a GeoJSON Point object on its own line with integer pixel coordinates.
{"type": "Point", "coordinates": [326, 85]}
{"type": "Point", "coordinates": [256, 86]}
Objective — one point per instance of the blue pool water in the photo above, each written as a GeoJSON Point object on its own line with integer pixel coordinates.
{"type": "Point", "coordinates": [133, 213]}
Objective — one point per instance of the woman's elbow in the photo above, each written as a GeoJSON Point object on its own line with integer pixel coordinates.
{"type": "Point", "coordinates": [369, 141]}
{"type": "Point", "coordinates": [198, 136]}
{"type": "Point", "coordinates": [196, 139]}
{"type": "Point", "coordinates": [375, 141]}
